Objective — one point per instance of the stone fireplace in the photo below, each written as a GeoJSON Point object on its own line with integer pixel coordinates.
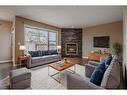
{"type": "Point", "coordinates": [71, 49]}
{"type": "Point", "coordinates": [71, 42]}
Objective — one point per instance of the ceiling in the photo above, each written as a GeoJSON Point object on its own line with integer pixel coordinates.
{"type": "Point", "coordinates": [64, 16]}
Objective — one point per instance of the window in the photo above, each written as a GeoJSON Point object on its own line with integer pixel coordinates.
{"type": "Point", "coordinates": [40, 39]}
{"type": "Point", "coordinates": [52, 41]}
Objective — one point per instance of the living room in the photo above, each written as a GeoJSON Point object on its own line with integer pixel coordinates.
{"type": "Point", "coordinates": [51, 51]}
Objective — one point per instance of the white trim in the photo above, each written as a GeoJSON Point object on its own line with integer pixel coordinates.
{"type": "Point", "coordinates": [5, 61]}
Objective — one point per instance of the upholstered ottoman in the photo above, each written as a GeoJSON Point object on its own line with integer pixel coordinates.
{"type": "Point", "coordinates": [20, 79]}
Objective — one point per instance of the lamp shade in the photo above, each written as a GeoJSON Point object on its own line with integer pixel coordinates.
{"type": "Point", "coordinates": [58, 47]}
{"type": "Point", "coordinates": [22, 47]}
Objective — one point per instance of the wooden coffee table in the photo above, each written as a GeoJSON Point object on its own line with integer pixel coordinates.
{"type": "Point", "coordinates": [60, 68]}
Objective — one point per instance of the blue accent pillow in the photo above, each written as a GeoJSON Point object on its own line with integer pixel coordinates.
{"type": "Point", "coordinates": [45, 52]}
{"type": "Point", "coordinates": [98, 73]}
{"type": "Point", "coordinates": [108, 60]}
{"type": "Point", "coordinates": [54, 52]}
{"type": "Point", "coordinates": [41, 53]}
{"type": "Point", "coordinates": [34, 53]}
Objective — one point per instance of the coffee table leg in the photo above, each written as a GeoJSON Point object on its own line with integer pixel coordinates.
{"type": "Point", "coordinates": [58, 80]}
{"type": "Point", "coordinates": [59, 77]}
{"type": "Point", "coordinates": [72, 71]}
{"type": "Point", "coordinates": [48, 70]}
{"type": "Point", "coordinates": [75, 68]}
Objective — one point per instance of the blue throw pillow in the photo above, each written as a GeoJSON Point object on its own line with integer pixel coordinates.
{"type": "Point", "coordinates": [54, 52]}
{"type": "Point", "coordinates": [98, 73]}
{"type": "Point", "coordinates": [108, 60]}
{"type": "Point", "coordinates": [45, 52]}
{"type": "Point", "coordinates": [34, 53]}
{"type": "Point", "coordinates": [41, 53]}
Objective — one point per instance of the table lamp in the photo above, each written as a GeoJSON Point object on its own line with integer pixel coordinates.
{"type": "Point", "coordinates": [22, 48]}
{"type": "Point", "coordinates": [59, 49]}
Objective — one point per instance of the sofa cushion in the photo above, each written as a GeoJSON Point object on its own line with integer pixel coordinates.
{"type": "Point", "coordinates": [45, 52]}
{"type": "Point", "coordinates": [34, 53]}
{"type": "Point", "coordinates": [35, 60]}
{"type": "Point", "coordinates": [76, 82]}
{"type": "Point", "coordinates": [45, 59]}
{"type": "Point", "coordinates": [111, 78]}
{"type": "Point", "coordinates": [97, 74]}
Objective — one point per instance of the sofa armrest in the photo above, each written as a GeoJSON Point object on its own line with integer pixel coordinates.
{"type": "Point", "coordinates": [89, 70]}
{"type": "Point", "coordinates": [28, 63]}
{"type": "Point", "coordinates": [95, 63]}
{"type": "Point", "coordinates": [77, 82]}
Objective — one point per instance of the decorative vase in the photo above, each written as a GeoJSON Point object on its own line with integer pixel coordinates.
{"type": "Point", "coordinates": [65, 60]}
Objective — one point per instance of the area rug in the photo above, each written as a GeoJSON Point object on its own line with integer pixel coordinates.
{"type": "Point", "coordinates": [41, 80]}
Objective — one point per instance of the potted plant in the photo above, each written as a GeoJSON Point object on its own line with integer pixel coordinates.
{"type": "Point", "coordinates": [117, 49]}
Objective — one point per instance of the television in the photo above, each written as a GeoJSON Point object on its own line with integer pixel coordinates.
{"type": "Point", "coordinates": [101, 42]}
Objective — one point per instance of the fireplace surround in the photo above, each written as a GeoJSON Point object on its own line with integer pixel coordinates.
{"type": "Point", "coordinates": [71, 42]}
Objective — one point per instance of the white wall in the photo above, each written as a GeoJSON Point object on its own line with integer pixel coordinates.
{"type": "Point", "coordinates": [5, 41]}
{"type": "Point", "coordinates": [114, 30]}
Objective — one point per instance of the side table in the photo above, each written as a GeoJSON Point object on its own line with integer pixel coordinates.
{"type": "Point", "coordinates": [22, 60]}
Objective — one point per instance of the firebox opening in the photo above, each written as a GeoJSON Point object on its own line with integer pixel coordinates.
{"type": "Point", "coordinates": [71, 49]}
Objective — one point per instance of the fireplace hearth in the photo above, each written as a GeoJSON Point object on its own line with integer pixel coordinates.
{"type": "Point", "coordinates": [71, 49]}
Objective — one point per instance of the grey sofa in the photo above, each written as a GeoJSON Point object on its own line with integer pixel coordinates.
{"type": "Point", "coordinates": [40, 60]}
{"type": "Point", "coordinates": [111, 78]}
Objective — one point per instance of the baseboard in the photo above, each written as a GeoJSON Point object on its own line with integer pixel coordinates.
{"type": "Point", "coordinates": [5, 61]}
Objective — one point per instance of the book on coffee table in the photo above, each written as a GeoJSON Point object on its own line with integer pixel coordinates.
{"type": "Point", "coordinates": [61, 63]}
